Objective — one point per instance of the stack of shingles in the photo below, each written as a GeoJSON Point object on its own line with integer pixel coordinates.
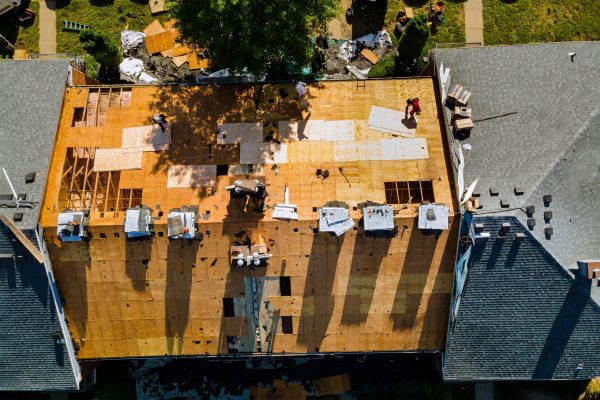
{"type": "Point", "coordinates": [163, 39]}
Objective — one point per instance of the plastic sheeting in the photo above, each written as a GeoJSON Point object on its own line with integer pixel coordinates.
{"type": "Point", "coordinates": [131, 39]}
{"type": "Point", "coordinates": [132, 70]}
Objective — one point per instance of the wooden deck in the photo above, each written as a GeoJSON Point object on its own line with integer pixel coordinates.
{"type": "Point", "coordinates": [156, 297]}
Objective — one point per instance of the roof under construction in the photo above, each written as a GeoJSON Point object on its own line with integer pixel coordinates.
{"type": "Point", "coordinates": [248, 282]}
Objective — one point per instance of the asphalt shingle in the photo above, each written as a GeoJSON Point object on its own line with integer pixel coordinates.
{"type": "Point", "coordinates": [521, 315]}
{"type": "Point", "coordinates": [31, 94]}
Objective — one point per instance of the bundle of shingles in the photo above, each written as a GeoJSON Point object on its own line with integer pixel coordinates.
{"type": "Point", "coordinates": [163, 39]}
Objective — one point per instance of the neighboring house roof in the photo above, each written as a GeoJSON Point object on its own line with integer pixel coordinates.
{"type": "Point", "coordinates": [521, 315]}
{"type": "Point", "coordinates": [29, 357]}
{"type": "Point", "coordinates": [32, 93]}
{"type": "Point", "coordinates": [548, 146]}
{"type": "Point", "coordinates": [536, 117]}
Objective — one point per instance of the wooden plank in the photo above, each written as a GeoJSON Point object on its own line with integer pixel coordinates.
{"type": "Point", "coordinates": [154, 28]}
{"type": "Point", "coordinates": [157, 6]}
{"type": "Point", "coordinates": [196, 62]}
{"type": "Point", "coordinates": [369, 55]}
{"type": "Point", "coordinates": [23, 239]}
{"type": "Point", "coordinates": [160, 42]}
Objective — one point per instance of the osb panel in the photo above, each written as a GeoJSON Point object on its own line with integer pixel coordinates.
{"type": "Point", "coordinates": [353, 293]}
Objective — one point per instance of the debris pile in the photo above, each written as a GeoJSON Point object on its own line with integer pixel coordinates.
{"type": "Point", "coordinates": [360, 53]}
{"type": "Point", "coordinates": [160, 56]}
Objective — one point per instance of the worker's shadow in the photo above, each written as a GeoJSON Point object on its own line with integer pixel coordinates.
{"type": "Point", "coordinates": [409, 122]}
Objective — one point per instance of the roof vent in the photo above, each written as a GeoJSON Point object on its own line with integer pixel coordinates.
{"type": "Point", "coordinates": [519, 191]}
{"type": "Point", "coordinates": [547, 216]}
{"type": "Point", "coordinates": [520, 236]}
{"type": "Point", "coordinates": [494, 192]}
{"type": "Point", "coordinates": [547, 200]}
{"type": "Point", "coordinates": [529, 210]}
{"type": "Point", "coordinates": [18, 217]}
{"type": "Point", "coordinates": [505, 228]}
{"type": "Point", "coordinates": [478, 228]}
{"type": "Point", "coordinates": [531, 223]}
{"type": "Point", "coordinates": [500, 239]}
{"type": "Point", "coordinates": [30, 177]}
{"type": "Point", "coordinates": [504, 203]}
{"type": "Point", "coordinates": [548, 231]}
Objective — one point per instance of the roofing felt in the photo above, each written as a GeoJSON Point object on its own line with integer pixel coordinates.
{"type": "Point", "coordinates": [31, 94]}
{"type": "Point", "coordinates": [537, 129]}
{"type": "Point", "coordinates": [521, 316]}
{"type": "Point", "coordinates": [29, 357]}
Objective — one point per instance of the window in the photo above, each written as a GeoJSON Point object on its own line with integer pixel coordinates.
{"type": "Point", "coordinates": [286, 325]}
{"type": "Point", "coordinates": [411, 192]}
{"type": "Point", "coordinates": [285, 286]}
{"type": "Point", "coordinates": [228, 309]}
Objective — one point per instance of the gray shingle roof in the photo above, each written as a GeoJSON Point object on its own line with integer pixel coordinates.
{"type": "Point", "coordinates": [29, 357]}
{"type": "Point", "coordinates": [31, 94]}
{"type": "Point", "coordinates": [521, 315]}
{"type": "Point", "coordinates": [550, 146]}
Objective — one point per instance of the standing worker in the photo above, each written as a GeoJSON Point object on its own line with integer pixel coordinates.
{"type": "Point", "coordinates": [161, 120]}
{"type": "Point", "coordinates": [415, 107]}
{"type": "Point", "coordinates": [300, 89]}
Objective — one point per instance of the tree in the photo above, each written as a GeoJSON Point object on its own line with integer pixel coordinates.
{"type": "Point", "coordinates": [257, 35]}
{"type": "Point", "coordinates": [413, 40]}
{"type": "Point", "coordinates": [102, 47]}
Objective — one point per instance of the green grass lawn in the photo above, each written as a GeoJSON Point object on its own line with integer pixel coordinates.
{"type": "Point", "coordinates": [103, 17]}
{"type": "Point", "coordinates": [527, 21]}
{"type": "Point", "coordinates": [451, 31]}
{"type": "Point", "coordinates": [29, 36]}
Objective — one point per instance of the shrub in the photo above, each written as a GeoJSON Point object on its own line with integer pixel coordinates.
{"type": "Point", "coordinates": [102, 47]}
{"type": "Point", "coordinates": [413, 39]}
{"type": "Point", "coordinates": [592, 391]}
{"type": "Point", "coordinates": [384, 67]}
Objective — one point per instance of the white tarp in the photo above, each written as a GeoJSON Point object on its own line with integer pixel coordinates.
{"type": "Point", "coordinates": [348, 49]}
{"type": "Point", "coordinates": [132, 70]}
{"type": "Point", "coordinates": [131, 39]}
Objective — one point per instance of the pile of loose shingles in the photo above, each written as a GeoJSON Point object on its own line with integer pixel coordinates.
{"type": "Point", "coordinates": [163, 39]}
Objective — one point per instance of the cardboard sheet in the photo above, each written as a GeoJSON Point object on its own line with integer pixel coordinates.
{"type": "Point", "coordinates": [146, 138]}
{"type": "Point", "coordinates": [117, 160]}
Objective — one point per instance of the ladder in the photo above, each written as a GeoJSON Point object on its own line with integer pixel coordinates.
{"type": "Point", "coordinates": [74, 26]}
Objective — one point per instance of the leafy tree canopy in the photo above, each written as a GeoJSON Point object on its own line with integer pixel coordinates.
{"type": "Point", "coordinates": [102, 47]}
{"type": "Point", "coordinates": [254, 34]}
{"type": "Point", "coordinates": [413, 39]}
